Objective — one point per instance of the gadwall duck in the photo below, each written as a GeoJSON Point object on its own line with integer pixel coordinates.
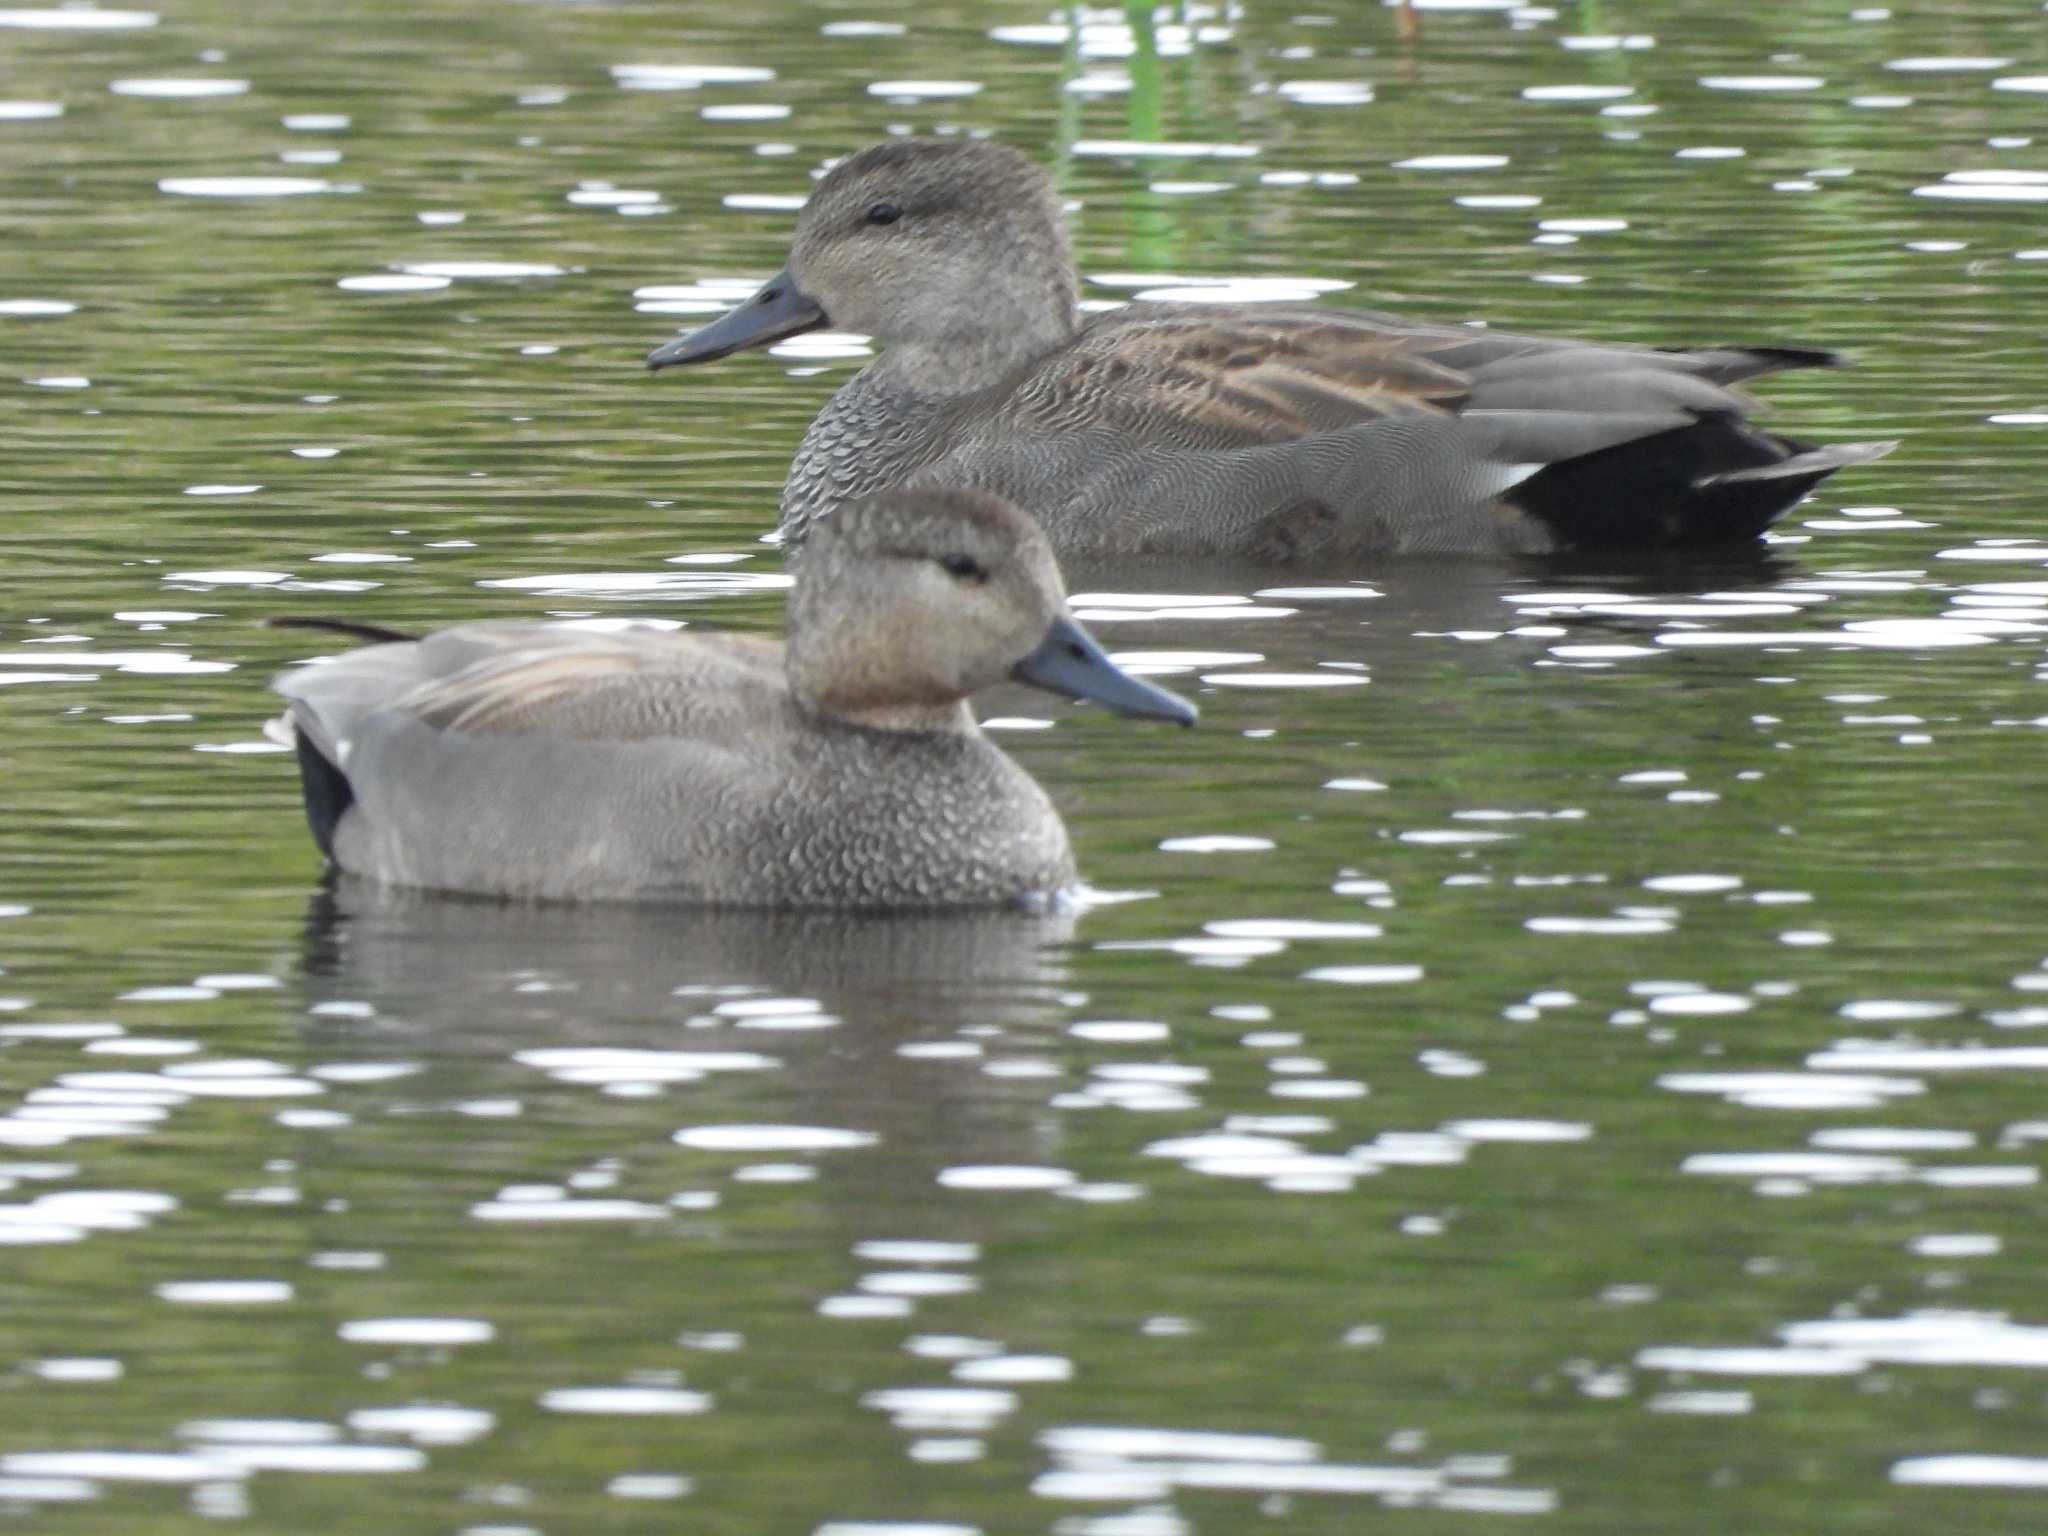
{"type": "Point", "coordinates": [1279, 432]}
{"type": "Point", "coordinates": [841, 768]}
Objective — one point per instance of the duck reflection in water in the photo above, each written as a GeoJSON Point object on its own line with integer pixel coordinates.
{"type": "Point", "coordinates": [877, 1022]}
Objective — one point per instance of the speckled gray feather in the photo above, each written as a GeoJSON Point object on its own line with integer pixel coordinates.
{"type": "Point", "coordinates": [1274, 431]}
{"type": "Point", "coordinates": [840, 770]}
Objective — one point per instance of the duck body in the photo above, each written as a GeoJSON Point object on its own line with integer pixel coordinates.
{"type": "Point", "coordinates": [668, 766]}
{"type": "Point", "coordinates": [1275, 432]}
{"type": "Point", "coordinates": [557, 762]}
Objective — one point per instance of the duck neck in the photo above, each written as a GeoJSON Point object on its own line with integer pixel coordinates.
{"type": "Point", "coordinates": [977, 357]}
{"type": "Point", "coordinates": [896, 716]}
{"type": "Point", "coordinates": [827, 685]}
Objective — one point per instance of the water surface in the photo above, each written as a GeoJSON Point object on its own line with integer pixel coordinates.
{"type": "Point", "coordinates": [1567, 1055]}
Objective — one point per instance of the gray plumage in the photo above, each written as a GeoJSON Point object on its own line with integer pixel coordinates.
{"type": "Point", "coordinates": [1272, 431]}
{"type": "Point", "coordinates": [841, 769]}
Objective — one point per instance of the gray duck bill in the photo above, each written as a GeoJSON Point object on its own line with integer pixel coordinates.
{"type": "Point", "coordinates": [1069, 661]}
{"type": "Point", "coordinates": [778, 309]}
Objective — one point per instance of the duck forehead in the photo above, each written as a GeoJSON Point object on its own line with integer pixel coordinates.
{"type": "Point", "coordinates": [940, 521]}
{"type": "Point", "coordinates": [930, 174]}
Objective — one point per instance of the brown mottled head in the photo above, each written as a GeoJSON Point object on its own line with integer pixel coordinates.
{"type": "Point", "coordinates": [908, 602]}
{"type": "Point", "coordinates": [915, 599]}
{"type": "Point", "coordinates": [917, 240]}
{"type": "Point", "coordinates": [948, 244]}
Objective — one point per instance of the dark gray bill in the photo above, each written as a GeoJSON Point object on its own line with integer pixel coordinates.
{"type": "Point", "coordinates": [779, 309]}
{"type": "Point", "coordinates": [1069, 661]}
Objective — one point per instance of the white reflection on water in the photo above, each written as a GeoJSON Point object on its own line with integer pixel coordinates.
{"type": "Point", "coordinates": [317, 1458]}
{"type": "Point", "coordinates": [649, 1485]}
{"type": "Point", "coordinates": [772, 1138]}
{"type": "Point", "coordinates": [1926, 1338]}
{"type": "Point", "coordinates": [118, 1466]}
{"type": "Point", "coordinates": [1231, 290]}
{"type": "Point", "coordinates": [1519, 1130]}
{"type": "Point", "coordinates": [1873, 1056]}
{"type": "Point", "coordinates": [1751, 1361]}
{"type": "Point", "coordinates": [1289, 928]}
{"type": "Point", "coordinates": [1451, 163]}
{"type": "Point", "coordinates": [959, 1409]}
{"type": "Point", "coordinates": [1216, 842]}
{"type": "Point", "coordinates": [425, 1423]}
{"type": "Point", "coordinates": [625, 1400]}
{"type": "Point", "coordinates": [76, 18]}
{"type": "Point", "coordinates": [242, 186]}
{"type": "Point", "coordinates": [1139, 149]}
{"type": "Point", "coordinates": [1973, 1471]}
{"type": "Point", "coordinates": [917, 1283]}
{"type": "Point", "coordinates": [1576, 92]}
{"type": "Point", "coordinates": [1365, 975]}
{"type": "Point", "coordinates": [1284, 679]}
{"type": "Point", "coordinates": [866, 1308]}
{"type": "Point", "coordinates": [916, 1251]}
{"type": "Point", "coordinates": [1102, 1463]}
{"type": "Point", "coordinates": [683, 585]}
{"type": "Point", "coordinates": [226, 1293]}
{"type": "Point", "coordinates": [1325, 93]}
{"type": "Point", "coordinates": [686, 77]}
{"type": "Point", "coordinates": [1702, 1402]}
{"type": "Point", "coordinates": [1126, 607]}
{"type": "Point", "coordinates": [78, 1368]}
{"type": "Point", "coordinates": [1015, 1177]}
{"type": "Point", "coordinates": [394, 282]}
{"type": "Point", "coordinates": [1762, 82]}
{"type": "Point", "coordinates": [605, 1065]}
{"type": "Point", "coordinates": [260, 1431]}
{"type": "Point", "coordinates": [1938, 65]}
{"type": "Point", "coordinates": [482, 269]}
{"type": "Point", "coordinates": [1795, 1090]}
{"type": "Point", "coordinates": [430, 1332]}
{"type": "Point", "coordinates": [566, 1210]}
{"type": "Point", "coordinates": [1989, 187]}
{"type": "Point", "coordinates": [924, 90]}
{"type": "Point", "coordinates": [1016, 1369]}
{"type": "Point", "coordinates": [1811, 1167]}
{"type": "Point", "coordinates": [177, 88]}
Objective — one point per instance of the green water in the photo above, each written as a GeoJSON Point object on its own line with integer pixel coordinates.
{"type": "Point", "coordinates": [1571, 1055]}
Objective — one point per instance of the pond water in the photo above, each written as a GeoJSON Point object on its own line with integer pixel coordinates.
{"type": "Point", "coordinates": [1566, 1051]}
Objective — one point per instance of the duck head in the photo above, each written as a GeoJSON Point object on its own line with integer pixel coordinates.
{"type": "Point", "coordinates": [941, 244]}
{"type": "Point", "coordinates": [912, 600]}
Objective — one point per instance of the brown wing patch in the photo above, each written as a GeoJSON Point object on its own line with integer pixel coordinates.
{"type": "Point", "coordinates": [618, 691]}
{"type": "Point", "coordinates": [517, 694]}
{"type": "Point", "coordinates": [1232, 379]}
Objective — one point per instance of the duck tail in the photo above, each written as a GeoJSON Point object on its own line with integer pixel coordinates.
{"type": "Point", "coordinates": [1715, 480]}
{"type": "Point", "coordinates": [1816, 462]}
{"type": "Point", "coordinates": [1733, 364]}
{"type": "Point", "coordinates": [377, 633]}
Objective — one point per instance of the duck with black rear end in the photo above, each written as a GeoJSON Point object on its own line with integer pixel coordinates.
{"type": "Point", "coordinates": [1276, 432]}
{"type": "Point", "coordinates": [839, 769]}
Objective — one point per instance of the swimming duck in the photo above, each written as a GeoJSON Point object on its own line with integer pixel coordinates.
{"type": "Point", "coordinates": [839, 768]}
{"type": "Point", "coordinates": [1279, 432]}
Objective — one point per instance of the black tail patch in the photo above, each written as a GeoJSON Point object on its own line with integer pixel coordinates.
{"type": "Point", "coordinates": [373, 632]}
{"type": "Point", "coordinates": [1661, 490]}
{"type": "Point", "coordinates": [327, 793]}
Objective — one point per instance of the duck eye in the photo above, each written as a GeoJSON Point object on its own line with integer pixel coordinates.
{"type": "Point", "coordinates": [964, 568]}
{"type": "Point", "coordinates": [884, 213]}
